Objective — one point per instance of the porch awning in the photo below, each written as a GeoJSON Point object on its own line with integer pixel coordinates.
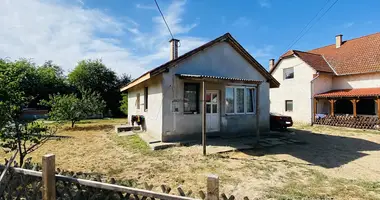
{"type": "Point", "coordinates": [216, 78]}
{"type": "Point", "coordinates": [357, 92]}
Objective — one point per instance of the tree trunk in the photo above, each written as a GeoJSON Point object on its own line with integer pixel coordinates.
{"type": "Point", "coordinates": [19, 143]}
{"type": "Point", "coordinates": [72, 124]}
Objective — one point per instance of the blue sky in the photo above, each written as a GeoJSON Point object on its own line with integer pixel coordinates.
{"type": "Point", "coordinates": [130, 37]}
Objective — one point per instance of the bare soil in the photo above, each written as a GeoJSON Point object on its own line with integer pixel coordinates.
{"type": "Point", "coordinates": [328, 163]}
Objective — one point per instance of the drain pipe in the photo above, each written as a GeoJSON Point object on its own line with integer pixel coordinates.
{"type": "Point", "coordinates": [311, 97]}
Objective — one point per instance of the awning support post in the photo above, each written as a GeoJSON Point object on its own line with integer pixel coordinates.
{"type": "Point", "coordinates": [204, 117]}
{"type": "Point", "coordinates": [378, 107]}
{"type": "Point", "coordinates": [315, 109]}
{"type": "Point", "coordinates": [354, 101]}
{"type": "Point", "coordinates": [332, 102]}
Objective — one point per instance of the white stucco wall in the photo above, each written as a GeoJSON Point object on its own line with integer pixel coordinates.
{"type": "Point", "coordinates": [356, 81]}
{"type": "Point", "coordinates": [153, 116]}
{"type": "Point", "coordinates": [323, 83]}
{"type": "Point", "coordinates": [297, 89]}
{"type": "Point", "coordinates": [219, 60]}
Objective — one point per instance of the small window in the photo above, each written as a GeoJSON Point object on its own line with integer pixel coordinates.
{"type": "Point", "coordinates": [289, 73]}
{"type": "Point", "coordinates": [289, 105]}
{"type": "Point", "coordinates": [251, 100]}
{"type": "Point", "coordinates": [230, 100]}
{"type": "Point", "coordinates": [138, 100]}
{"type": "Point", "coordinates": [146, 98]}
{"type": "Point", "coordinates": [191, 98]}
{"type": "Point", "coordinates": [239, 100]}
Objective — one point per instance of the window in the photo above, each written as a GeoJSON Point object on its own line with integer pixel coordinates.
{"type": "Point", "coordinates": [240, 100]}
{"type": "Point", "coordinates": [251, 99]}
{"type": "Point", "coordinates": [138, 100]}
{"type": "Point", "coordinates": [289, 105]}
{"type": "Point", "coordinates": [289, 73]}
{"type": "Point", "coordinates": [146, 98]}
{"type": "Point", "coordinates": [191, 98]}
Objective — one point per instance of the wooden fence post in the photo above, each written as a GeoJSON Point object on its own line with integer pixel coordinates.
{"type": "Point", "coordinates": [212, 187]}
{"type": "Point", "coordinates": [48, 177]}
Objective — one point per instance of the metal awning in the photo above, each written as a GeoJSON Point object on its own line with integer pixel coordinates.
{"type": "Point", "coordinates": [216, 78]}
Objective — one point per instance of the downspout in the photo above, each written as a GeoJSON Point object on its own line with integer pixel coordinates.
{"type": "Point", "coordinates": [312, 97]}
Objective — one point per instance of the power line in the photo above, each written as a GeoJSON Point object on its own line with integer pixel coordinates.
{"type": "Point", "coordinates": [162, 15]}
{"type": "Point", "coordinates": [311, 26]}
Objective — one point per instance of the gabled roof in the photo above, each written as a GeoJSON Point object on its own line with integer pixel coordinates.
{"type": "Point", "coordinates": [224, 38]}
{"type": "Point", "coordinates": [315, 61]}
{"type": "Point", "coordinates": [356, 56]}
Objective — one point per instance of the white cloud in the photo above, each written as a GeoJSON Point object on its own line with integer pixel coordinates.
{"type": "Point", "coordinates": [348, 24]}
{"type": "Point", "coordinates": [146, 7]}
{"type": "Point", "coordinates": [265, 3]}
{"type": "Point", "coordinates": [67, 33]}
{"type": "Point", "coordinates": [241, 22]}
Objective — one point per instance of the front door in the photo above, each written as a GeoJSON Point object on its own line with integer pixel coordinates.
{"type": "Point", "coordinates": [212, 111]}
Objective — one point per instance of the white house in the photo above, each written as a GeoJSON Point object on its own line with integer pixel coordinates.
{"type": "Point", "coordinates": [338, 79]}
{"type": "Point", "coordinates": [235, 86]}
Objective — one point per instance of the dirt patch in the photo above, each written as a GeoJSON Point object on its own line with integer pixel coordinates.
{"type": "Point", "coordinates": [321, 167]}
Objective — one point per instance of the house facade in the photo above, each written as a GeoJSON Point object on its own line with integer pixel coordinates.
{"type": "Point", "coordinates": [336, 81]}
{"type": "Point", "coordinates": [220, 76]}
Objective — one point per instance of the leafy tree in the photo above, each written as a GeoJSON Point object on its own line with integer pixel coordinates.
{"type": "Point", "coordinates": [17, 134]}
{"type": "Point", "coordinates": [69, 107]}
{"type": "Point", "coordinates": [124, 79]}
{"type": "Point", "coordinates": [94, 75]}
{"type": "Point", "coordinates": [124, 104]}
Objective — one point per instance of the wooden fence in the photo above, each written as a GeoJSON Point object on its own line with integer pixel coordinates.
{"type": "Point", "coordinates": [350, 121]}
{"type": "Point", "coordinates": [49, 184]}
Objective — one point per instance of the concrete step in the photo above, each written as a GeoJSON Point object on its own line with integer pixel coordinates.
{"type": "Point", "coordinates": [126, 128]}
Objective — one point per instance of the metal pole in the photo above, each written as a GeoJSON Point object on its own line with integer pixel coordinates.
{"type": "Point", "coordinates": [204, 117]}
{"type": "Point", "coordinates": [258, 112]}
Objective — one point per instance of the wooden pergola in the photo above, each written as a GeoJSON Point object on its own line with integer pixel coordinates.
{"type": "Point", "coordinates": [354, 96]}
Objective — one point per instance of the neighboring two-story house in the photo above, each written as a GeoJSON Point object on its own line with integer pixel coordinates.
{"type": "Point", "coordinates": [342, 79]}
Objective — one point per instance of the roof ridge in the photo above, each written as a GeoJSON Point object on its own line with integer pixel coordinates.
{"type": "Point", "coordinates": [345, 41]}
{"type": "Point", "coordinates": [310, 53]}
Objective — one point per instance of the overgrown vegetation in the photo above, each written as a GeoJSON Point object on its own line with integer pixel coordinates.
{"type": "Point", "coordinates": [124, 104]}
{"type": "Point", "coordinates": [71, 108]}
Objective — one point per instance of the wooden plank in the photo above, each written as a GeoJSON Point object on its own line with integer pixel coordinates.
{"type": "Point", "coordinates": [123, 189]}
{"type": "Point", "coordinates": [204, 117]}
{"type": "Point", "coordinates": [315, 109]}
{"type": "Point", "coordinates": [354, 101]}
{"type": "Point", "coordinates": [135, 82]}
{"type": "Point", "coordinates": [48, 177]}
{"type": "Point", "coordinates": [212, 187]}
{"type": "Point", "coordinates": [332, 102]}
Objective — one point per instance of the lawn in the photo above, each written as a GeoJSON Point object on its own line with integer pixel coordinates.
{"type": "Point", "coordinates": [283, 172]}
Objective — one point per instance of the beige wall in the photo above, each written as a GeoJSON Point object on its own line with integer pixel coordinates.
{"type": "Point", "coordinates": [297, 89]}
{"type": "Point", "coordinates": [356, 81]}
{"type": "Point", "coordinates": [219, 60]}
{"type": "Point", "coordinates": [323, 83]}
{"type": "Point", "coordinates": [153, 116]}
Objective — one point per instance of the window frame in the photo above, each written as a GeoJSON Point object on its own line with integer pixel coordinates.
{"type": "Point", "coordinates": [244, 100]}
{"type": "Point", "coordinates": [283, 73]}
{"type": "Point", "coordinates": [145, 99]}
{"type": "Point", "coordinates": [286, 105]}
{"type": "Point", "coordinates": [197, 93]}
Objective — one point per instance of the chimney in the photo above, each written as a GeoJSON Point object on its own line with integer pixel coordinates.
{"type": "Point", "coordinates": [173, 49]}
{"type": "Point", "coordinates": [271, 64]}
{"type": "Point", "coordinates": [338, 41]}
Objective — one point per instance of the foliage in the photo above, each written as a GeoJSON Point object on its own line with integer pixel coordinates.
{"type": "Point", "coordinates": [124, 79]}
{"type": "Point", "coordinates": [17, 134]}
{"type": "Point", "coordinates": [124, 104]}
{"type": "Point", "coordinates": [69, 107]}
{"type": "Point", "coordinates": [94, 75]}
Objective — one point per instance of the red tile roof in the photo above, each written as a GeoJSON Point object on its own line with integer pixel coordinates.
{"type": "Point", "coordinates": [358, 92]}
{"type": "Point", "coordinates": [356, 56]}
{"type": "Point", "coordinates": [359, 55]}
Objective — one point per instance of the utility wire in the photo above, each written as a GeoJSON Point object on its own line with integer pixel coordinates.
{"type": "Point", "coordinates": [311, 26]}
{"type": "Point", "coordinates": [162, 15]}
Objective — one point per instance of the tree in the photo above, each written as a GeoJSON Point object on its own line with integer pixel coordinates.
{"type": "Point", "coordinates": [95, 76]}
{"type": "Point", "coordinates": [69, 107]}
{"type": "Point", "coordinates": [124, 104]}
{"type": "Point", "coordinates": [17, 134]}
{"type": "Point", "coordinates": [124, 79]}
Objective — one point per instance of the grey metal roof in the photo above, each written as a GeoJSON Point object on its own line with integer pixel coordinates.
{"type": "Point", "coordinates": [195, 76]}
